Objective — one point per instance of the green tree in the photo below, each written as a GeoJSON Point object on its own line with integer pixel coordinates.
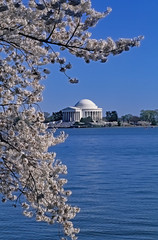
{"type": "Point", "coordinates": [134, 119]}
{"type": "Point", "coordinates": [86, 120]}
{"type": "Point", "coordinates": [129, 118]}
{"type": "Point", "coordinates": [149, 116]}
{"type": "Point", "coordinates": [56, 116]}
{"type": "Point", "coordinates": [126, 118]}
{"type": "Point", "coordinates": [111, 116]}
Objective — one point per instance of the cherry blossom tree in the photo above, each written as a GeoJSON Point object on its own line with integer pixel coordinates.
{"type": "Point", "coordinates": [33, 35]}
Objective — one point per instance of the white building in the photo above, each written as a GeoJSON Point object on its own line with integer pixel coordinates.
{"type": "Point", "coordinates": [83, 109]}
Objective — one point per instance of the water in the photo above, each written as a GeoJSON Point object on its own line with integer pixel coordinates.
{"type": "Point", "coordinates": [113, 173]}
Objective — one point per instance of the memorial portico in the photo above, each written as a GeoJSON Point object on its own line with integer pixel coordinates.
{"type": "Point", "coordinates": [71, 114]}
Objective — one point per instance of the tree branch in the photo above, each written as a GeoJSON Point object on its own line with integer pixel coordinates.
{"type": "Point", "coordinates": [73, 32]}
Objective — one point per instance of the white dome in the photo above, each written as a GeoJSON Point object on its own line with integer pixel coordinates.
{"type": "Point", "coordinates": [86, 104]}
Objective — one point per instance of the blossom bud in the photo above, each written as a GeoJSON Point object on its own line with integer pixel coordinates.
{"type": "Point", "coordinates": [62, 69]}
{"type": "Point", "coordinates": [68, 66]}
{"type": "Point", "coordinates": [73, 80]}
{"type": "Point", "coordinates": [62, 60]}
{"type": "Point", "coordinates": [46, 71]}
{"type": "Point", "coordinates": [40, 6]}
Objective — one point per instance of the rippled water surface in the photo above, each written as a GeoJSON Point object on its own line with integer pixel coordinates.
{"type": "Point", "coordinates": [113, 174]}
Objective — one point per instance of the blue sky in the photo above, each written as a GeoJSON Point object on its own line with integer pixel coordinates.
{"type": "Point", "coordinates": [128, 82]}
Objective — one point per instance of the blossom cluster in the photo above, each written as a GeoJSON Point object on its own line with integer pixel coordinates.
{"type": "Point", "coordinates": [29, 38]}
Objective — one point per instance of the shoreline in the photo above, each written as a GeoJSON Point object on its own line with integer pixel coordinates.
{"type": "Point", "coordinates": [146, 127]}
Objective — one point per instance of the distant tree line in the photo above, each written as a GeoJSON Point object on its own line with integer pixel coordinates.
{"type": "Point", "coordinates": [150, 116]}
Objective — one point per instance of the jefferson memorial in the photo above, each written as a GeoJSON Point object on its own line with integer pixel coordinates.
{"type": "Point", "coordinates": [82, 109]}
